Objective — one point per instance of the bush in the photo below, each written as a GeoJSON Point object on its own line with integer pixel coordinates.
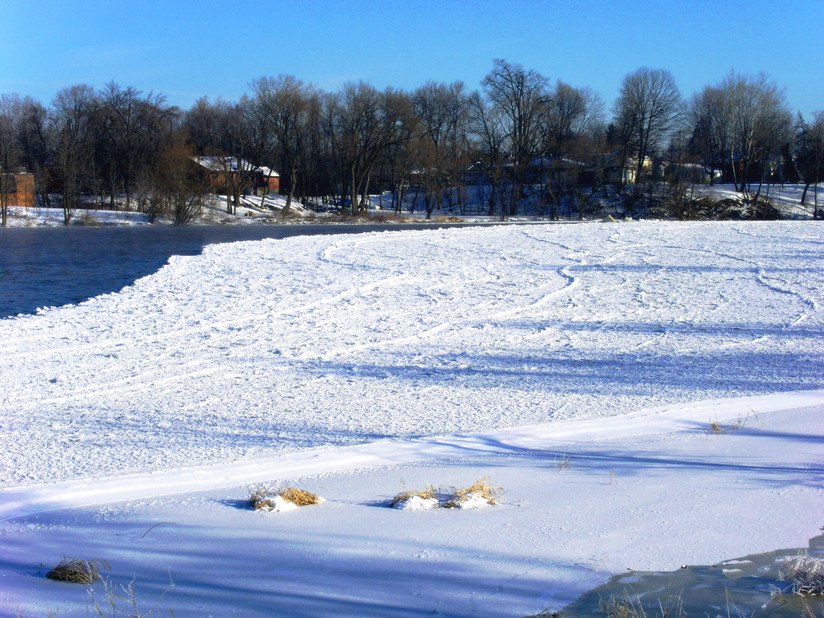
{"type": "Point", "coordinates": [762, 209]}
{"type": "Point", "coordinates": [805, 573]}
{"type": "Point", "coordinates": [76, 571]}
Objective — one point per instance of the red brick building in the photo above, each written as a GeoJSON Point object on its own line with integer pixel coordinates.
{"type": "Point", "coordinates": [17, 189]}
{"type": "Point", "coordinates": [259, 177]}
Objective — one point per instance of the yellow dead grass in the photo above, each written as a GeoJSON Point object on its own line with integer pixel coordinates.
{"type": "Point", "coordinates": [263, 497]}
{"type": "Point", "coordinates": [427, 494]}
{"type": "Point", "coordinates": [482, 487]}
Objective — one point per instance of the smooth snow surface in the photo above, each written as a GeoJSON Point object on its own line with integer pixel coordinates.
{"type": "Point", "coordinates": [652, 491]}
{"type": "Point", "coordinates": [577, 366]}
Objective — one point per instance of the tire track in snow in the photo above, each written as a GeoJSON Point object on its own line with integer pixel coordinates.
{"type": "Point", "coordinates": [758, 269]}
{"type": "Point", "coordinates": [373, 345]}
{"type": "Point", "coordinates": [764, 279]}
{"type": "Point", "coordinates": [206, 327]}
{"type": "Point", "coordinates": [142, 382]}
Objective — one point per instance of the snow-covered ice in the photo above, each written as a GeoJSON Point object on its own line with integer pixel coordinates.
{"type": "Point", "coordinates": [257, 348]}
{"type": "Point", "coordinates": [437, 357]}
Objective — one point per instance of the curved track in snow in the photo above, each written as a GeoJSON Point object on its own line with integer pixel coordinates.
{"type": "Point", "coordinates": [261, 348]}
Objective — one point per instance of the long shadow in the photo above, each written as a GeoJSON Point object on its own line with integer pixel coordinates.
{"type": "Point", "coordinates": [637, 463]}
{"type": "Point", "coordinates": [224, 567]}
{"type": "Point", "coordinates": [731, 330]}
{"type": "Point", "coordinates": [630, 373]}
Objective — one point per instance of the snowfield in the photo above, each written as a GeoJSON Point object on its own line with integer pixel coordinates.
{"type": "Point", "coordinates": [363, 365]}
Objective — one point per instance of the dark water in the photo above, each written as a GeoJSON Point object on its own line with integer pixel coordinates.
{"type": "Point", "coordinates": [49, 266]}
{"type": "Point", "coordinates": [748, 586]}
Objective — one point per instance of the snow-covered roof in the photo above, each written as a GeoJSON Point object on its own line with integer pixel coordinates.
{"type": "Point", "coordinates": [232, 164]}
{"type": "Point", "coordinates": [268, 172]}
{"type": "Point", "coordinates": [555, 162]}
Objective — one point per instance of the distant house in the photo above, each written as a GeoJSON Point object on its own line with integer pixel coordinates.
{"type": "Point", "coordinates": [17, 189]}
{"type": "Point", "coordinates": [477, 174]}
{"type": "Point", "coordinates": [554, 171]}
{"type": "Point", "coordinates": [612, 170]}
{"type": "Point", "coordinates": [695, 173]}
{"type": "Point", "coordinates": [259, 178]}
{"type": "Point", "coordinates": [630, 171]}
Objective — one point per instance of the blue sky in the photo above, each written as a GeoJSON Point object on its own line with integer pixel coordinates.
{"type": "Point", "coordinates": [189, 49]}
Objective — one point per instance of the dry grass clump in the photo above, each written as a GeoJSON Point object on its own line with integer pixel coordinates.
{"type": "Point", "coordinates": [428, 493]}
{"type": "Point", "coordinates": [300, 497]}
{"type": "Point", "coordinates": [263, 498]}
{"type": "Point", "coordinates": [480, 487]}
{"type": "Point", "coordinates": [76, 571]}
{"type": "Point", "coordinates": [671, 606]}
{"type": "Point", "coordinates": [806, 574]}
{"type": "Point", "coordinates": [716, 426]}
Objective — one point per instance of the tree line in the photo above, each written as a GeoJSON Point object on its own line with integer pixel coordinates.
{"type": "Point", "coordinates": [527, 141]}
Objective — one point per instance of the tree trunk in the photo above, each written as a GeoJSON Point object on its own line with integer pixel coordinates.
{"type": "Point", "coordinates": [804, 193]}
{"type": "Point", "coordinates": [293, 175]}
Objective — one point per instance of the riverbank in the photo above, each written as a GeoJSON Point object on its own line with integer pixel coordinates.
{"type": "Point", "coordinates": [647, 395]}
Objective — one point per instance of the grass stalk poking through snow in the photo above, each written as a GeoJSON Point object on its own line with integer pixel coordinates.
{"type": "Point", "coordinates": [671, 606]}
{"type": "Point", "coordinates": [716, 427]}
{"type": "Point", "coordinates": [806, 574]}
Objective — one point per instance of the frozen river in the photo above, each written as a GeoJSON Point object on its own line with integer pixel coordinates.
{"type": "Point", "coordinates": [48, 266]}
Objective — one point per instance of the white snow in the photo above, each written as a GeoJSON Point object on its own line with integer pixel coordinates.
{"type": "Point", "coordinates": [356, 364]}
{"type": "Point", "coordinates": [416, 503]}
{"type": "Point", "coordinates": [279, 505]}
{"type": "Point", "coordinates": [472, 501]}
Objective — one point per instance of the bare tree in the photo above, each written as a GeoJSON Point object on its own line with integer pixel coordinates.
{"type": "Point", "coordinates": [180, 184]}
{"type": "Point", "coordinates": [810, 155]}
{"type": "Point", "coordinates": [133, 130]}
{"type": "Point", "coordinates": [363, 123]}
{"type": "Point", "coordinates": [287, 106]}
{"type": "Point", "coordinates": [10, 112]}
{"type": "Point", "coordinates": [73, 108]}
{"type": "Point", "coordinates": [489, 128]}
{"type": "Point", "coordinates": [441, 110]}
{"type": "Point", "coordinates": [36, 145]}
{"type": "Point", "coordinates": [521, 97]}
{"type": "Point", "coordinates": [225, 131]}
{"type": "Point", "coordinates": [645, 112]}
{"type": "Point", "coordinates": [570, 114]}
{"type": "Point", "coordinates": [709, 115]}
{"type": "Point", "coordinates": [741, 125]}
{"type": "Point", "coordinates": [760, 124]}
